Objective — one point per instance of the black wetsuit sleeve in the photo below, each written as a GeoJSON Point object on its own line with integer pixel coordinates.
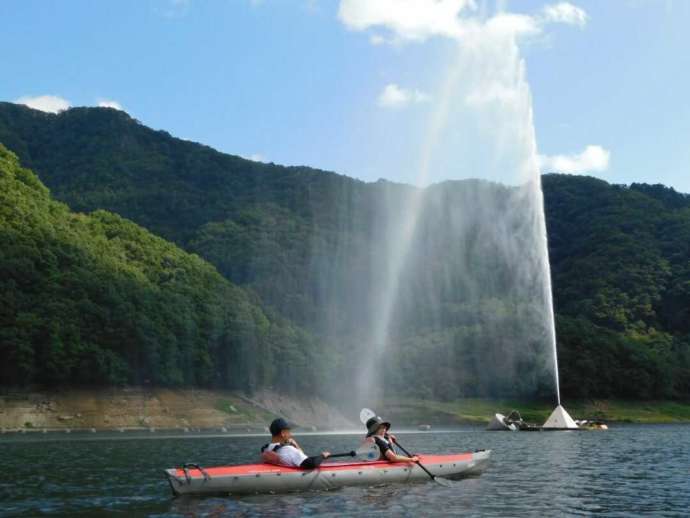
{"type": "Point", "coordinates": [383, 446]}
{"type": "Point", "coordinates": [312, 462]}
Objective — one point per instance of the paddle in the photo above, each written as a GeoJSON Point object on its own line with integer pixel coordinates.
{"type": "Point", "coordinates": [367, 451]}
{"type": "Point", "coordinates": [367, 414]}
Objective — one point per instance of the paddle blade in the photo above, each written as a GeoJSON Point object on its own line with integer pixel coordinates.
{"type": "Point", "coordinates": [368, 451]}
{"type": "Point", "coordinates": [444, 482]}
{"type": "Point", "coordinates": [365, 414]}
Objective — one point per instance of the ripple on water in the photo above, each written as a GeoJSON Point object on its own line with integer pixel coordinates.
{"type": "Point", "coordinates": [629, 470]}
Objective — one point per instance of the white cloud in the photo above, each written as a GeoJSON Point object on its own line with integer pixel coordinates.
{"type": "Point", "coordinates": [256, 157]}
{"type": "Point", "coordinates": [512, 24]}
{"type": "Point", "coordinates": [407, 19]}
{"type": "Point", "coordinates": [592, 159]}
{"type": "Point", "coordinates": [107, 103]}
{"type": "Point", "coordinates": [393, 96]}
{"type": "Point", "coordinates": [56, 104]}
{"type": "Point", "coordinates": [418, 20]}
{"type": "Point", "coordinates": [564, 12]}
{"type": "Point", "coordinates": [45, 103]}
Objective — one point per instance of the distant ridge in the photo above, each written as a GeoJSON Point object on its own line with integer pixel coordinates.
{"type": "Point", "coordinates": [620, 255]}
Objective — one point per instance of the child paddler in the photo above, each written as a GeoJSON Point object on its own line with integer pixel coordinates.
{"type": "Point", "coordinates": [284, 450]}
{"type": "Point", "coordinates": [377, 431]}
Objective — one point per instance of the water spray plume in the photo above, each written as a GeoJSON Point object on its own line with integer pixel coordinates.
{"type": "Point", "coordinates": [484, 109]}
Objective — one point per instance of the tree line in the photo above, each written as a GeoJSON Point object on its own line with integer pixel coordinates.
{"type": "Point", "coordinates": [294, 249]}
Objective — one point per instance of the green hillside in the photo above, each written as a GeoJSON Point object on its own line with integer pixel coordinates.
{"type": "Point", "coordinates": [297, 237]}
{"type": "Point", "coordinates": [97, 300]}
{"type": "Point", "coordinates": [620, 258]}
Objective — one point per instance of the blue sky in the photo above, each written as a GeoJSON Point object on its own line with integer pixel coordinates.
{"type": "Point", "coordinates": [352, 88]}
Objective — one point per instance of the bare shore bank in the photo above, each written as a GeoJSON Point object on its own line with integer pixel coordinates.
{"type": "Point", "coordinates": [139, 408]}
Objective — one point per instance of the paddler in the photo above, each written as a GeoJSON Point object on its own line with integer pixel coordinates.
{"type": "Point", "coordinates": [284, 450]}
{"type": "Point", "coordinates": [377, 431]}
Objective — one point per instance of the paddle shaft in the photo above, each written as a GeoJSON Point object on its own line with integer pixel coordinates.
{"type": "Point", "coordinates": [433, 477]}
{"type": "Point", "coordinates": [364, 451]}
{"type": "Point", "coordinates": [348, 454]}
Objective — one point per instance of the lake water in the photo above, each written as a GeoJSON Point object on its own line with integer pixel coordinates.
{"type": "Point", "coordinates": [628, 470]}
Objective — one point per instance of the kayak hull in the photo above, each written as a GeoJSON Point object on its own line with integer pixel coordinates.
{"type": "Point", "coordinates": [267, 478]}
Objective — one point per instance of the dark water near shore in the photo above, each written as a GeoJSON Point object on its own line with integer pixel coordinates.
{"type": "Point", "coordinates": [628, 470]}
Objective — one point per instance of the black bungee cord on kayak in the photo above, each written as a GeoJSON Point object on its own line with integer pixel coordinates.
{"type": "Point", "coordinates": [185, 470]}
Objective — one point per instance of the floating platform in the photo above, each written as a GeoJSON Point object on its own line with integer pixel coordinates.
{"type": "Point", "coordinates": [558, 421]}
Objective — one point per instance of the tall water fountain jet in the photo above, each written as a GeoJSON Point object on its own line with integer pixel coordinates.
{"type": "Point", "coordinates": [439, 289]}
{"type": "Point", "coordinates": [487, 90]}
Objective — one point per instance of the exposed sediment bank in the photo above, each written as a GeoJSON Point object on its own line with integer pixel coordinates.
{"type": "Point", "coordinates": [157, 408]}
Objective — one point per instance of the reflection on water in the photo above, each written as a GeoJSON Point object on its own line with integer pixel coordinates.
{"type": "Point", "coordinates": [627, 470]}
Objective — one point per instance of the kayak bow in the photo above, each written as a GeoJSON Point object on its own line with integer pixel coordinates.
{"type": "Point", "coordinates": [268, 478]}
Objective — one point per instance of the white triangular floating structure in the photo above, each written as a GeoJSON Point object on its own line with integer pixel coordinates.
{"type": "Point", "coordinates": [559, 418]}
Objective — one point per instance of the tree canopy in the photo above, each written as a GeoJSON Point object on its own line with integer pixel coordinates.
{"type": "Point", "coordinates": [96, 299]}
{"type": "Point", "coordinates": [288, 239]}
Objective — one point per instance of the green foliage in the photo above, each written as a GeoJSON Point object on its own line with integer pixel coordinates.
{"type": "Point", "coordinates": [96, 299]}
{"type": "Point", "coordinates": [620, 260]}
{"type": "Point", "coordinates": [101, 300]}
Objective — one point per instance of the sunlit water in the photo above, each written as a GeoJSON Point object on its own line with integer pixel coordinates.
{"type": "Point", "coordinates": [627, 471]}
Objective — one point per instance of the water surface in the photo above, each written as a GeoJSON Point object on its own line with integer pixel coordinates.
{"type": "Point", "coordinates": [629, 470]}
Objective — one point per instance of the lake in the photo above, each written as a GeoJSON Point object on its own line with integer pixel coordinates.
{"type": "Point", "coordinates": [627, 470]}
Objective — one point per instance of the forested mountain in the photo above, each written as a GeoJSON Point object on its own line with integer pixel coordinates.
{"type": "Point", "coordinates": [620, 258]}
{"type": "Point", "coordinates": [620, 255]}
{"type": "Point", "coordinates": [95, 299]}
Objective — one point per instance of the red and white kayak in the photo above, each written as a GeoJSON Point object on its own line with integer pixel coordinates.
{"type": "Point", "coordinates": [267, 478]}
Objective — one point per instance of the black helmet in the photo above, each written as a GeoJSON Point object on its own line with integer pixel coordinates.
{"type": "Point", "coordinates": [278, 425]}
{"type": "Point", "coordinates": [374, 423]}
